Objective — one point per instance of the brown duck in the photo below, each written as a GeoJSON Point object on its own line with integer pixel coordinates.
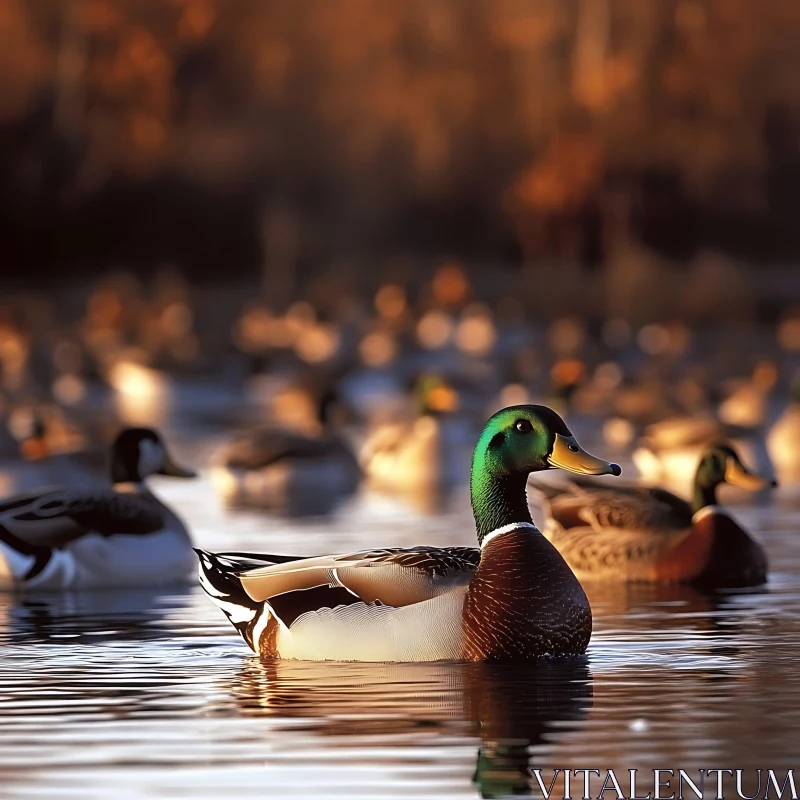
{"type": "Point", "coordinates": [643, 534]}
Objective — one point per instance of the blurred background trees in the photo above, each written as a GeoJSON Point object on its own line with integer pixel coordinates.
{"type": "Point", "coordinates": [230, 137]}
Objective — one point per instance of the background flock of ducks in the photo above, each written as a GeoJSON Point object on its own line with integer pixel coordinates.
{"type": "Point", "coordinates": [320, 406]}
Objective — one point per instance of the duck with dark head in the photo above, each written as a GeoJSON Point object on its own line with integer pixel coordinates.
{"type": "Point", "coordinates": [116, 537]}
{"type": "Point", "coordinates": [138, 453]}
{"type": "Point", "coordinates": [648, 534]}
{"type": "Point", "coordinates": [512, 599]}
{"type": "Point", "coordinates": [519, 571]}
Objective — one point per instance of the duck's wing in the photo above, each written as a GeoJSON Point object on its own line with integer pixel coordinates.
{"type": "Point", "coordinates": [291, 587]}
{"type": "Point", "coordinates": [393, 577]}
{"type": "Point", "coordinates": [626, 530]}
{"type": "Point", "coordinates": [257, 449]}
{"type": "Point", "coordinates": [55, 517]}
{"type": "Point", "coordinates": [630, 508]}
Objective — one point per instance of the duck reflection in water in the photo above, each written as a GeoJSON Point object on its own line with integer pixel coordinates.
{"type": "Point", "coordinates": [133, 614]}
{"type": "Point", "coordinates": [510, 708]}
{"type": "Point", "coordinates": [716, 623]}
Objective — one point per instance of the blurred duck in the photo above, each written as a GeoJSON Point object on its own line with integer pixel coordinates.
{"type": "Point", "coordinates": [747, 403]}
{"type": "Point", "coordinates": [670, 450]}
{"type": "Point", "coordinates": [649, 397]}
{"type": "Point", "coordinates": [514, 599]}
{"type": "Point", "coordinates": [301, 467]}
{"type": "Point", "coordinates": [420, 456]}
{"type": "Point", "coordinates": [642, 534]}
{"type": "Point", "coordinates": [50, 452]}
{"type": "Point", "coordinates": [783, 438]}
{"type": "Point", "coordinates": [120, 536]}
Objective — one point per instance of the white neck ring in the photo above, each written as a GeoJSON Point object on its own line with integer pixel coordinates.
{"type": "Point", "coordinates": [707, 511]}
{"type": "Point", "coordinates": [513, 526]}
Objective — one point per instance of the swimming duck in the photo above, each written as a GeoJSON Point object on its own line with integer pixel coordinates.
{"type": "Point", "coordinates": [670, 450]}
{"type": "Point", "coordinates": [643, 534]}
{"type": "Point", "coordinates": [513, 599]}
{"type": "Point", "coordinates": [419, 457]}
{"type": "Point", "coordinates": [292, 470]}
{"type": "Point", "coordinates": [748, 402]}
{"type": "Point", "coordinates": [120, 536]}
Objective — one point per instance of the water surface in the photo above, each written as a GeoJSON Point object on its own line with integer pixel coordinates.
{"type": "Point", "coordinates": [150, 694]}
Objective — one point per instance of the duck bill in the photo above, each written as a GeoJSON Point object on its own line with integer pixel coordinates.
{"type": "Point", "coordinates": [739, 476]}
{"type": "Point", "coordinates": [569, 455]}
{"type": "Point", "coordinates": [175, 470]}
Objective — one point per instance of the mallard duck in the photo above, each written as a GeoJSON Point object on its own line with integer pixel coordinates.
{"type": "Point", "coordinates": [425, 456]}
{"type": "Point", "coordinates": [670, 450]}
{"type": "Point", "coordinates": [515, 598]}
{"type": "Point", "coordinates": [122, 536]}
{"type": "Point", "coordinates": [289, 469]}
{"type": "Point", "coordinates": [643, 534]}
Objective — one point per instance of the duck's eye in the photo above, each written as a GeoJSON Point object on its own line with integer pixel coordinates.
{"type": "Point", "coordinates": [573, 447]}
{"type": "Point", "coordinates": [523, 426]}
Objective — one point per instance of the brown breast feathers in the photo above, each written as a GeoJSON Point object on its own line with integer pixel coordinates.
{"type": "Point", "coordinates": [524, 602]}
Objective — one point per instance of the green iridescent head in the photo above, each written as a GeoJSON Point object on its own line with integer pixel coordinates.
{"type": "Point", "coordinates": [528, 438]}
{"type": "Point", "coordinates": [515, 442]}
{"type": "Point", "coordinates": [721, 464]}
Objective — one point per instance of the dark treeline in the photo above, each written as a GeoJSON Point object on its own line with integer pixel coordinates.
{"type": "Point", "coordinates": [220, 136]}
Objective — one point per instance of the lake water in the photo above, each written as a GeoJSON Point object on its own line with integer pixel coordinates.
{"type": "Point", "coordinates": [154, 695]}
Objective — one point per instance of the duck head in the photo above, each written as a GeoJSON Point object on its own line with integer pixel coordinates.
{"type": "Point", "coordinates": [516, 441]}
{"type": "Point", "coordinates": [140, 452]}
{"type": "Point", "coordinates": [529, 438]}
{"type": "Point", "coordinates": [721, 464]}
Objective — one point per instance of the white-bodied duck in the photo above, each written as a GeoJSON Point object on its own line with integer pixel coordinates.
{"type": "Point", "coordinates": [117, 537]}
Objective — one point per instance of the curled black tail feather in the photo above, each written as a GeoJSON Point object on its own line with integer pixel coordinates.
{"type": "Point", "coordinates": [219, 577]}
{"type": "Point", "coordinates": [220, 582]}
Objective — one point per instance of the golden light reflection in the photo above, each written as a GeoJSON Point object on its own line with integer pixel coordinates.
{"type": "Point", "coordinates": [69, 390]}
{"type": "Point", "coordinates": [789, 333]}
{"type": "Point", "coordinates": [450, 285]}
{"type": "Point", "coordinates": [318, 343]}
{"type": "Point", "coordinates": [142, 394]}
{"type": "Point", "coordinates": [476, 333]}
{"type": "Point", "coordinates": [653, 339]}
{"type": "Point", "coordinates": [390, 301]}
{"type": "Point", "coordinates": [378, 349]}
{"type": "Point", "coordinates": [435, 330]}
{"type": "Point", "coordinates": [566, 335]}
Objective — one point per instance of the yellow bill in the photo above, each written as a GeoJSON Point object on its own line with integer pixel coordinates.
{"type": "Point", "coordinates": [569, 455]}
{"type": "Point", "coordinates": [736, 474]}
